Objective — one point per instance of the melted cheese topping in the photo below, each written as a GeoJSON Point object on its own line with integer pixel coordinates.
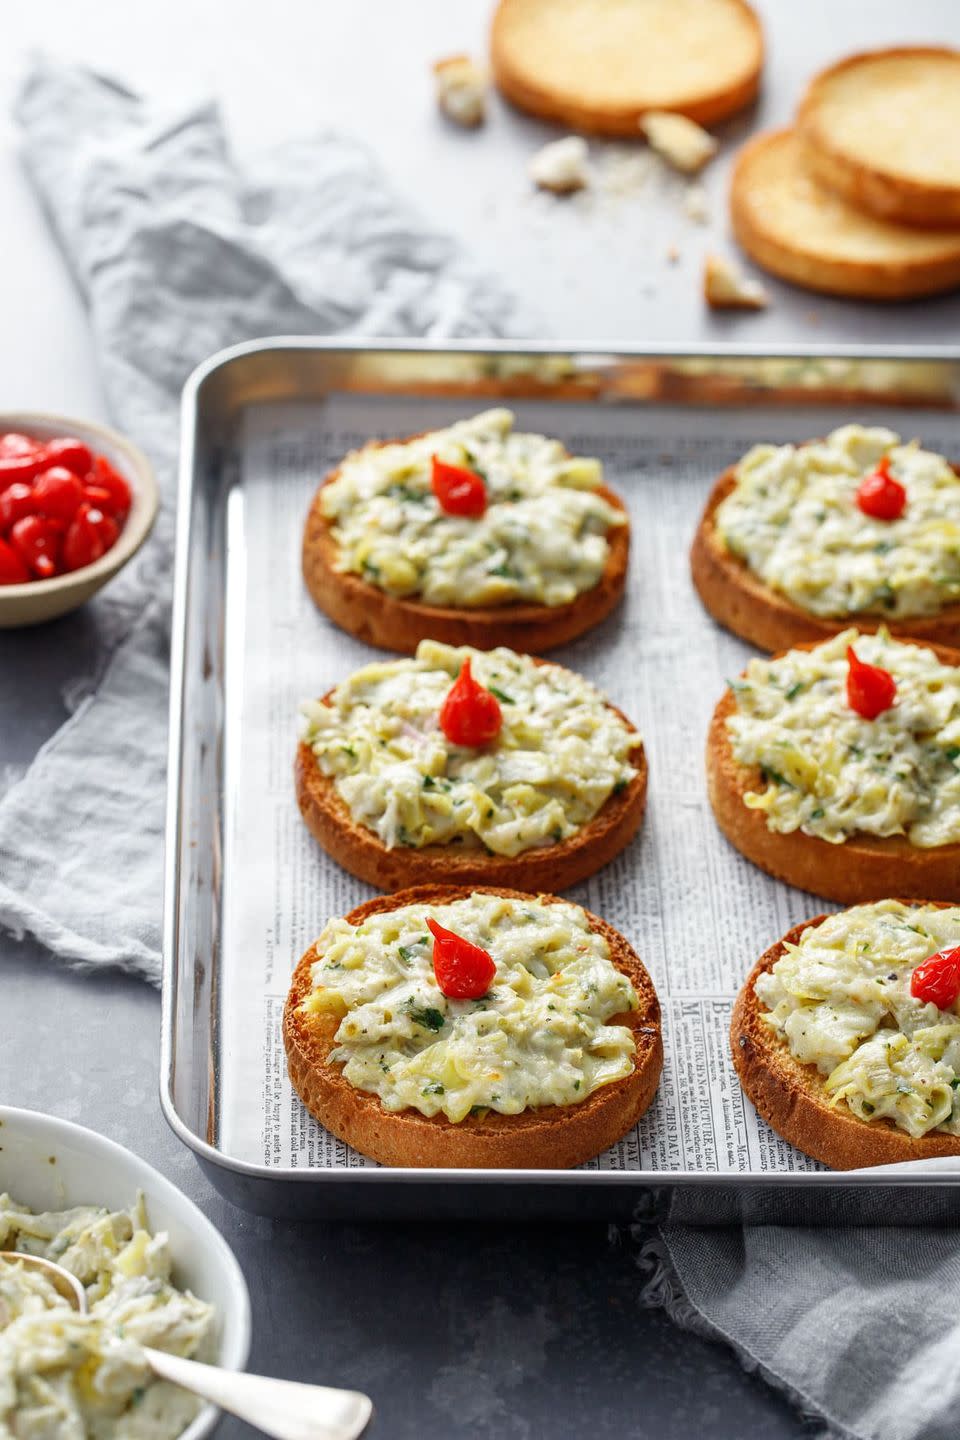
{"type": "Point", "coordinates": [830, 772]}
{"type": "Point", "coordinates": [542, 537]}
{"type": "Point", "coordinates": [793, 517]}
{"type": "Point", "coordinates": [840, 999]}
{"type": "Point", "coordinates": [538, 1037]}
{"type": "Point", "coordinates": [66, 1376]}
{"type": "Point", "coordinates": [560, 753]}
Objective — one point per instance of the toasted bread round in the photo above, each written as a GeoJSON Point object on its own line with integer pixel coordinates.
{"type": "Point", "coordinates": [790, 1095]}
{"type": "Point", "coordinates": [882, 132]}
{"type": "Point", "coordinates": [864, 867]}
{"type": "Point", "coordinates": [392, 623]}
{"type": "Point", "coordinates": [794, 227]}
{"type": "Point", "coordinates": [550, 1137]}
{"type": "Point", "coordinates": [745, 604]}
{"type": "Point", "coordinates": [542, 868]}
{"type": "Point", "coordinates": [599, 65]}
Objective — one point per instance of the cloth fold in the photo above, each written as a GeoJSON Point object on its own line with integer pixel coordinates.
{"type": "Point", "coordinates": [178, 253]}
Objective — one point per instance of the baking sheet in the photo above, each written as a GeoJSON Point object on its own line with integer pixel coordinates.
{"type": "Point", "coordinates": [697, 913]}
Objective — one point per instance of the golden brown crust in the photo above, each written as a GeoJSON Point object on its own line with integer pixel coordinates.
{"type": "Point", "coordinates": [549, 867]}
{"type": "Point", "coordinates": [392, 623]}
{"type": "Point", "coordinates": [796, 229]}
{"type": "Point", "coordinates": [880, 189]}
{"type": "Point", "coordinates": [863, 868]}
{"type": "Point", "coordinates": [790, 1096]}
{"type": "Point", "coordinates": [743, 603]}
{"type": "Point", "coordinates": [551, 1137]}
{"type": "Point", "coordinates": [518, 69]}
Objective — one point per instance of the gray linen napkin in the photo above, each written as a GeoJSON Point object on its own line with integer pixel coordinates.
{"type": "Point", "coordinates": [855, 1326]}
{"type": "Point", "coordinates": [177, 254]}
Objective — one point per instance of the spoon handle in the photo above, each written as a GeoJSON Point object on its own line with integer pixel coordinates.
{"type": "Point", "coordinates": [281, 1408]}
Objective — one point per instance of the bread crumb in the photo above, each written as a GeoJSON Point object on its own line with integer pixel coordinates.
{"type": "Point", "coordinates": [623, 171]}
{"type": "Point", "coordinates": [727, 288]}
{"type": "Point", "coordinates": [681, 142]}
{"type": "Point", "coordinates": [673, 255]}
{"type": "Point", "coordinates": [695, 204]}
{"type": "Point", "coordinates": [561, 166]}
{"type": "Point", "coordinates": [461, 89]}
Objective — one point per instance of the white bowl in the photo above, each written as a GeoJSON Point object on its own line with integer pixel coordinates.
{"type": "Point", "coordinates": [40, 600]}
{"type": "Point", "coordinates": [49, 1164]}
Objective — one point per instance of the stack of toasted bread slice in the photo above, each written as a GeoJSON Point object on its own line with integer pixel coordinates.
{"type": "Point", "coordinates": [862, 197]}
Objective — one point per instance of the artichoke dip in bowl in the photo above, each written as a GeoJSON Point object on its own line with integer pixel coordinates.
{"type": "Point", "coordinates": [155, 1271]}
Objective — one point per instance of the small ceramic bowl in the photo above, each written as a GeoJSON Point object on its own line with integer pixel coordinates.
{"type": "Point", "coordinates": [40, 600]}
{"type": "Point", "coordinates": [51, 1164]}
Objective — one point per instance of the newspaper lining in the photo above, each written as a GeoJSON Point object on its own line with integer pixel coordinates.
{"type": "Point", "coordinates": [697, 913]}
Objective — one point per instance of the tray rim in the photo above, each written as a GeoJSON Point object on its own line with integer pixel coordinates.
{"type": "Point", "coordinates": [911, 1174]}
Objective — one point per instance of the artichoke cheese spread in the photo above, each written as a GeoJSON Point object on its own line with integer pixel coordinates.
{"type": "Point", "coordinates": [560, 753]}
{"type": "Point", "coordinates": [541, 539]}
{"type": "Point", "coordinates": [540, 1036]}
{"type": "Point", "coordinates": [793, 518]}
{"type": "Point", "coordinates": [67, 1376]}
{"type": "Point", "coordinates": [831, 773]}
{"type": "Point", "coordinates": [840, 999]}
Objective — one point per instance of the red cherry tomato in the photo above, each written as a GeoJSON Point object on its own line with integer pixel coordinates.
{"type": "Point", "coordinates": [870, 690]}
{"type": "Point", "coordinates": [880, 495]}
{"type": "Point", "coordinates": [470, 715]}
{"type": "Point", "coordinates": [38, 544]}
{"type": "Point", "coordinates": [15, 502]}
{"type": "Point", "coordinates": [13, 571]}
{"type": "Point", "coordinates": [58, 493]}
{"type": "Point", "coordinates": [463, 970]}
{"type": "Point", "coordinates": [106, 478]}
{"type": "Point", "coordinates": [938, 979]}
{"type": "Point", "coordinates": [459, 491]}
{"type": "Point", "coordinates": [72, 454]}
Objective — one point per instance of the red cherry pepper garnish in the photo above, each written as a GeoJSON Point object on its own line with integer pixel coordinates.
{"type": "Point", "coordinates": [13, 444]}
{"type": "Point", "coordinates": [15, 502]}
{"type": "Point", "coordinates": [18, 469]}
{"type": "Point", "coordinates": [12, 569]}
{"type": "Point", "coordinates": [880, 495]}
{"type": "Point", "coordinates": [97, 496]}
{"type": "Point", "coordinates": [463, 970]}
{"type": "Point", "coordinates": [91, 534]}
{"type": "Point", "coordinates": [20, 459]}
{"type": "Point", "coordinates": [72, 454]}
{"type": "Point", "coordinates": [110, 480]}
{"type": "Point", "coordinates": [470, 715]}
{"type": "Point", "coordinates": [58, 493]}
{"type": "Point", "coordinates": [38, 544]}
{"type": "Point", "coordinates": [459, 491]}
{"type": "Point", "coordinates": [937, 980]}
{"type": "Point", "coordinates": [870, 690]}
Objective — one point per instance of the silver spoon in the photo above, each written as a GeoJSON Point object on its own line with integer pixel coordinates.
{"type": "Point", "coordinates": [281, 1408]}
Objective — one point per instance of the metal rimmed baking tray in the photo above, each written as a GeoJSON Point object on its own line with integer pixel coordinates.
{"type": "Point", "coordinates": [261, 423]}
